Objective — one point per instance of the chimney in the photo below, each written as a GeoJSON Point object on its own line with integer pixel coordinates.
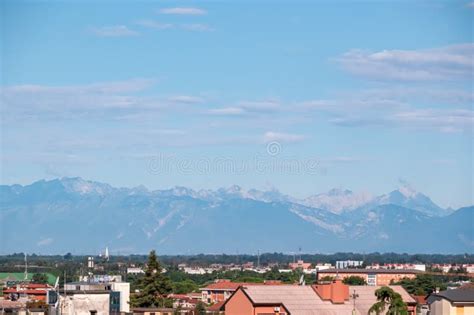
{"type": "Point", "coordinates": [336, 291]}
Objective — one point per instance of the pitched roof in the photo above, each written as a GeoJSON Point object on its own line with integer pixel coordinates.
{"type": "Point", "coordinates": [457, 295]}
{"type": "Point", "coordinates": [303, 300]}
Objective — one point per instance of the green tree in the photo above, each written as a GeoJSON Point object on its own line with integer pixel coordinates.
{"type": "Point", "coordinates": [390, 300]}
{"type": "Point", "coordinates": [354, 280]}
{"type": "Point", "coordinates": [421, 284]}
{"type": "Point", "coordinates": [200, 309]}
{"type": "Point", "coordinates": [39, 278]}
{"type": "Point", "coordinates": [185, 286]}
{"type": "Point", "coordinates": [153, 287]}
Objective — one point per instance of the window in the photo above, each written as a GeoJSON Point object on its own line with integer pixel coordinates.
{"type": "Point", "coordinates": [93, 312]}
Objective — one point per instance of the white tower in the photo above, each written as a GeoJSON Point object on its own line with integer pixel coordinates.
{"type": "Point", "coordinates": [106, 256]}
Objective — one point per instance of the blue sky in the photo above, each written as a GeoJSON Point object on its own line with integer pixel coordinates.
{"type": "Point", "coordinates": [367, 93]}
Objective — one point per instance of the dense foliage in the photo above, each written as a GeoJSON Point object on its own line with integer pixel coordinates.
{"type": "Point", "coordinates": [153, 287]}
{"type": "Point", "coordinates": [388, 302]}
{"type": "Point", "coordinates": [354, 280]}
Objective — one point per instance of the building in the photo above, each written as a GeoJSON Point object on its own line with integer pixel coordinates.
{"type": "Point", "coordinates": [184, 301]}
{"type": "Point", "coordinates": [222, 289]}
{"type": "Point", "coordinates": [420, 267]}
{"type": "Point", "coordinates": [452, 302]}
{"type": "Point", "coordinates": [300, 264]}
{"type": "Point", "coordinates": [372, 277]}
{"type": "Point", "coordinates": [333, 298]}
{"type": "Point", "coordinates": [341, 264]}
{"type": "Point", "coordinates": [28, 291]}
{"type": "Point", "coordinates": [95, 298]}
{"type": "Point", "coordinates": [135, 271]}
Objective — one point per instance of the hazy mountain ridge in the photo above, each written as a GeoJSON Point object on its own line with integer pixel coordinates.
{"type": "Point", "coordinates": [78, 215]}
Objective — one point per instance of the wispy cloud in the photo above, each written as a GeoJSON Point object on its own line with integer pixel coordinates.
{"type": "Point", "coordinates": [282, 137]}
{"type": "Point", "coordinates": [197, 27]}
{"type": "Point", "coordinates": [183, 11]}
{"type": "Point", "coordinates": [227, 111]}
{"type": "Point", "coordinates": [445, 63]}
{"type": "Point", "coordinates": [114, 31]}
{"type": "Point", "coordinates": [45, 242]}
{"type": "Point", "coordinates": [117, 98]}
{"type": "Point", "coordinates": [470, 5]}
{"type": "Point", "coordinates": [448, 121]}
{"type": "Point", "coordinates": [248, 108]}
{"type": "Point", "coordinates": [429, 119]}
{"type": "Point", "coordinates": [155, 24]}
{"type": "Point", "coordinates": [186, 99]}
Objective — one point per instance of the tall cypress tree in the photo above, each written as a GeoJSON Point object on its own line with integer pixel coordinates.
{"type": "Point", "coordinates": [153, 287]}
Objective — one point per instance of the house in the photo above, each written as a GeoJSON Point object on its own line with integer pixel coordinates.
{"type": "Point", "coordinates": [333, 298]}
{"type": "Point", "coordinates": [29, 291]}
{"type": "Point", "coordinates": [300, 264]}
{"type": "Point", "coordinates": [184, 300]}
{"type": "Point", "coordinates": [373, 277]}
{"type": "Point", "coordinates": [222, 289]}
{"type": "Point", "coordinates": [452, 302]}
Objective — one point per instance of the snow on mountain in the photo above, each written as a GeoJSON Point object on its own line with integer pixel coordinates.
{"type": "Point", "coordinates": [338, 200]}
{"type": "Point", "coordinates": [74, 213]}
{"type": "Point", "coordinates": [408, 197]}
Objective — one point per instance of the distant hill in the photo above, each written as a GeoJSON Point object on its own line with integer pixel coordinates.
{"type": "Point", "coordinates": [80, 216]}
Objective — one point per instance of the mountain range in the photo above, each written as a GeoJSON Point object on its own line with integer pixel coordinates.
{"type": "Point", "coordinates": [80, 216]}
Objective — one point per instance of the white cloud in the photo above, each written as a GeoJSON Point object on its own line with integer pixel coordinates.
{"type": "Point", "coordinates": [183, 11]}
{"type": "Point", "coordinates": [196, 27]}
{"type": "Point", "coordinates": [227, 111]}
{"type": "Point", "coordinates": [155, 25]}
{"type": "Point", "coordinates": [470, 5]}
{"type": "Point", "coordinates": [260, 106]}
{"type": "Point", "coordinates": [270, 136]}
{"type": "Point", "coordinates": [114, 31]}
{"type": "Point", "coordinates": [45, 242]}
{"type": "Point", "coordinates": [445, 63]}
{"type": "Point", "coordinates": [186, 99]}
{"type": "Point", "coordinates": [448, 121]}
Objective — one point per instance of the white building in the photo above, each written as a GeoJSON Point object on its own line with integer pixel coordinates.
{"type": "Point", "coordinates": [96, 298]}
{"type": "Point", "coordinates": [344, 264]}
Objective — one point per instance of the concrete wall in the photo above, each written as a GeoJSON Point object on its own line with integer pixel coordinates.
{"type": "Point", "coordinates": [82, 304]}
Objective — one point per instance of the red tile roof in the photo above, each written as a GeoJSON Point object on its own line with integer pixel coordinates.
{"type": "Point", "coordinates": [216, 307]}
{"type": "Point", "coordinates": [227, 285]}
{"type": "Point", "coordinates": [32, 292]}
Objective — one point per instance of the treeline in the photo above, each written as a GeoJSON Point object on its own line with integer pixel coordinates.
{"type": "Point", "coordinates": [264, 259]}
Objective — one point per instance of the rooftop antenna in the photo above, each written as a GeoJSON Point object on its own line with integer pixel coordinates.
{"type": "Point", "coordinates": [354, 297]}
{"type": "Point", "coordinates": [26, 267]}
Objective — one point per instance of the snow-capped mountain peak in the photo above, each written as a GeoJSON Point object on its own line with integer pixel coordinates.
{"type": "Point", "coordinates": [338, 200]}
